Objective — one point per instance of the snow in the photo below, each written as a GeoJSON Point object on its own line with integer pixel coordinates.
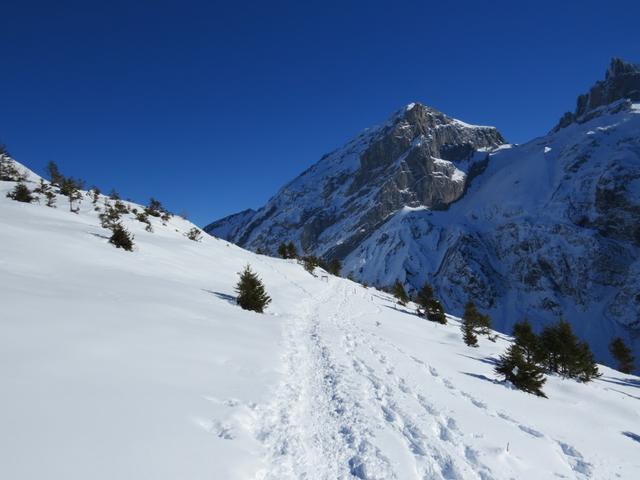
{"type": "Point", "coordinates": [138, 365]}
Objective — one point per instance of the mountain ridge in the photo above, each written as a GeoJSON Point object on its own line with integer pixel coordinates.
{"type": "Point", "coordinates": [548, 208]}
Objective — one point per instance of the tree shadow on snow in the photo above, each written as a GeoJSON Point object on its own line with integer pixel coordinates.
{"type": "Point", "coordinates": [632, 436]}
{"type": "Point", "coordinates": [488, 360]}
{"type": "Point", "coordinates": [105, 237]}
{"type": "Point", "coordinates": [402, 310]}
{"type": "Point", "coordinates": [625, 382]}
{"type": "Point", "coordinates": [481, 377]}
{"type": "Point", "coordinates": [223, 296]}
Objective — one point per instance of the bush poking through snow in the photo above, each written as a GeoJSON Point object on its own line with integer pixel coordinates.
{"type": "Point", "coordinates": [21, 193]}
{"type": "Point", "coordinates": [251, 291]}
{"type": "Point", "coordinates": [194, 234]}
{"type": "Point", "coordinates": [121, 238]}
{"type": "Point", "coordinates": [144, 218]}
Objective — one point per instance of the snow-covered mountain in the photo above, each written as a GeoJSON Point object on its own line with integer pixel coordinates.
{"type": "Point", "coordinates": [544, 230]}
{"type": "Point", "coordinates": [139, 365]}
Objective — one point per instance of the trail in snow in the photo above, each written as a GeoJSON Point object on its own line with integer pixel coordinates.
{"type": "Point", "coordinates": [333, 382]}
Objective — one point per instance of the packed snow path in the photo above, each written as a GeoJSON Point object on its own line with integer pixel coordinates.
{"type": "Point", "coordinates": [354, 404]}
{"type": "Point", "coordinates": [139, 365]}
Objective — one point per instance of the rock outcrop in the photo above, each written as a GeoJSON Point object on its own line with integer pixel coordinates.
{"type": "Point", "coordinates": [547, 229]}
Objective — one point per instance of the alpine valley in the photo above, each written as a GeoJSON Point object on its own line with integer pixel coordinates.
{"type": "Point", "coordinates": [545, 230]}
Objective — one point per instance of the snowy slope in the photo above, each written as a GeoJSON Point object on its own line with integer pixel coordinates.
{"type": "Point", "coordinates": [119, 365]}
{"type": "Point", "coordinates": [544, 230]}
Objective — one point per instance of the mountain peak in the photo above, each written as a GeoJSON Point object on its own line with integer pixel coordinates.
{"type": "Point", "coordinates": [621, 82]}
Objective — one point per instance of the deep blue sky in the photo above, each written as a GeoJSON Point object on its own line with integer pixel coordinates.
{"type": "Point", "coordinates": [212, 106]}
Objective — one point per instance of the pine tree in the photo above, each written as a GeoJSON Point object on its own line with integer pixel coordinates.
{"type": "Point", "coordinates": [310, 262]}
{"type": "Point", "coordinates": [435, 312]}
{"type": "Point", "coordinates": [114, 195]}
{"type": "Point", "coordinates": [251, 292]}
{"type": "Point", "coordinates": [585, 368]}
{"type": "Point", "coordinates": [468, 325]}
{"type": "Point", "coordinates": [70, 187]}
{"type": "Point", "coordinates": [524, 375]}
{"type": "Point", "coordinates": [45, 190]}
{"type": "Point", "coordinates": [528, 341]}
{"type": "Point", "coordinates": [423, 298]}
{"type": "Point", "coordinates": [21, 193]}
{"type": "Point", "coordinates": [622, 354]}
{"type": "Point", "coordinates": [565, 354]}
{"type": "Point", "coordinates": [55, 177]}
{"type": "Point", "coordinates": [334, 267]}
{"type": "Point", "coordinates": [291, 250]}
{"type": "Point", "coordinates": [400, 293]}
{"type": "Point", "coordinates": [283, 251]}
{"type": "Point", "coordinates": [121, 238]}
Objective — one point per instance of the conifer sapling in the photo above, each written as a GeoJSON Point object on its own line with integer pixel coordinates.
{"type": "Point", "coordinates": [251, 291]}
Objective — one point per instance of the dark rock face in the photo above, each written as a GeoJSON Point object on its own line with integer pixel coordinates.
{"type": "Point", "coordinates": [419, 158]}
{"type": "Point", "coordinates": [622, 81]}
{"type": "Point", "coordinates": [547, 229]}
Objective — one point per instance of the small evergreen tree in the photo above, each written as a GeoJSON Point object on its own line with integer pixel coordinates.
{"type": "Point", "coordinates": [563, 353]}
{"type": "Point", "coordinates": [423, 298]}
{"type": "Point", "coordinates": [524, 375]}
{"type": "Point", "coordinates": [310, 263]}
{"type": "Point", "coordinates": [469, 320]}
{"type": "Point", "coordinates": [283, 251]}
{"type": "Point", "coordinates": [435, 312]}
{"type": "Point", "coordinates": [55, 177]}
{"type": "Point", "coordinates": [21, 193]}
{"type": "Point", "coordinates": [400, 293]}
{"type": "Point", "coordinates": [251, 291]}
{"type": "Point", "coordinates": [114, 195]}
{"type": "Point", "coordinates": [194, 234]}
{"type": "Point", "coordinates": [109, 217]}
{"type": "Point", "coordinates": [121, 238]}
{"type": "Point", "coordinates": [334, 267]}
{"type": "Point", "coordinates": [622, 354]}
{"type": "Point", "coordinates": [46, 191]}
{"type": "Point", "coordinates": [528, 341]}
{"type": "Point", "coordinates": [291, 250]}
{"type": "Point", "coordinates": [70, 187]}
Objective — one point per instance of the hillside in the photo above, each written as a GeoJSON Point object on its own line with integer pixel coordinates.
{"type": "Point", "coordinates": [543, 230]}
{"type": "Point", "coordinates": [139, 365]}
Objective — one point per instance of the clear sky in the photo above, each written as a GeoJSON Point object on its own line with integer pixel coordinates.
{"type": "Point", "coordinates": [212, 106]}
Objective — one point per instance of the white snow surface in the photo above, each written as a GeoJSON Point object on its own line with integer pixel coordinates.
{"type": "Point", "coordinates": [139, 365]}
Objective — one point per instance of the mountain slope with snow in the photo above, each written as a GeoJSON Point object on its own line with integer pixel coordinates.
{"type": "Point", "coordinates": [543, 230]}
{"type": "Point", "coordinates": [138, 365]}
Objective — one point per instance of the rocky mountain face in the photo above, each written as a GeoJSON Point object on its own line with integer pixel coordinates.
{"type": "Point", "coordinates": [547, 229]}
{"type": "Point", "coordinates": [418, 158]}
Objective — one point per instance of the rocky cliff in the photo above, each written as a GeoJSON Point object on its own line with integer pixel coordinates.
{"type": "Point", "coordinates": [547, 229]}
